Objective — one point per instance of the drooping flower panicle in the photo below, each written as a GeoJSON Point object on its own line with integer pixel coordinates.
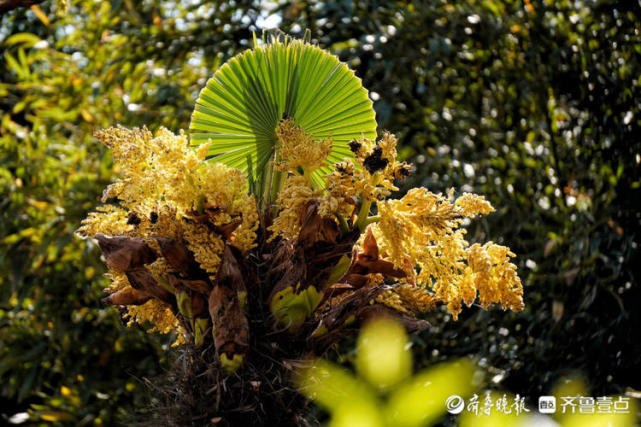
{"type": "Point", "coordinates": [420, 234]}
{"type": "Point", "coordinates": [169, 195]}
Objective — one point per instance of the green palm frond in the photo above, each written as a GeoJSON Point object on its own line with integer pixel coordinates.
{"type": "Point", "coordinates": [241, 105]}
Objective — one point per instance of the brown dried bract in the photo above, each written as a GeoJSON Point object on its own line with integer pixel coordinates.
{"type": "Point", "coordinates": [231, 329]}
{"type": "Point", "coordinates": [368, 262]}
{"type": "Point", "coordinates": [143, 280]}
{"type": "Point", "coordinates": [201, 286]}
{"type": "Point", "coordinates": [128, 296]}
{"type": "Point", "coordinates": [125, 253]}
{"type": "Point", "coordinates": [179, 258]}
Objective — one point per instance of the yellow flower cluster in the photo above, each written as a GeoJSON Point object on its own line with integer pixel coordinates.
{"type": "Point", "coordinates": [158, 268]}
{"type": "Point", "coordinates": [108, 219]}
{"type": "Point", "coordinates": [159, 315]}
{"type": "Point", "coordinates": [163, 180]}
{"type": "Point", "coordinates": [168, 189]}
{"type": "Point", "coordinates": [300, 155]}
{"type": "Point", "coordinates": [474, 205]}
{"type": "Point", "coordinates": [421, 234]}
{"type": "Point", "coordinates": [292, 199]}
{"type": "Point", "coordinates": [420, 222]}
{"type": "Point", "coordinates": [342, 188]}
{"type": "Point", "coordinates": [391, 299]}
{"type": "Point", "coordinates": [378, 167]}
{"type": "Point", "coordinates": [119, 281]}
{"type": "Point", "coordinates": [408, 299]}
{"type": "Point", "coordinates": [297, 149]}
{"type": "Point", "coordinates": [206, 245]}
{"type": "Point", "coordinates": [495, 276]}
{"type": "Point", "coordinates": [371, 178]}
{"type": "Point", "coordinates": [416, 298]}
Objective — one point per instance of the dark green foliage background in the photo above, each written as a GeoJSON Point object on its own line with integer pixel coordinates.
{"type": "Point", "coordinates": [535, 106]}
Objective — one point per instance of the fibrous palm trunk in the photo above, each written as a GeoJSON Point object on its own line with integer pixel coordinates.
{"type": "Point", "coordinates": [230, 321]}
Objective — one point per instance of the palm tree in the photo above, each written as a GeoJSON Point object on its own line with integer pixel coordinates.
{"type": "Point", "coordinates": [259, 246]}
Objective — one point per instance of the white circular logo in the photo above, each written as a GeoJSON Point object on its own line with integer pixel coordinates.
{"type": "Point", "coordinates": [455, 404]}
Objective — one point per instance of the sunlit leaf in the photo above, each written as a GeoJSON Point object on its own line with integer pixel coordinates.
{"type": "Point", "coordinates": [383, 356]}
{"type": "Point", "coordinates": [422, 401]}
{"type": "Point", "coordinates": [331, 386]}
{"type": "Point", "coordinates": [242, 103]}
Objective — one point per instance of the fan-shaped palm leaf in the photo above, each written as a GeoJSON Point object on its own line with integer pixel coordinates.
{"type": "Point", "coordinates": [241, 105]}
